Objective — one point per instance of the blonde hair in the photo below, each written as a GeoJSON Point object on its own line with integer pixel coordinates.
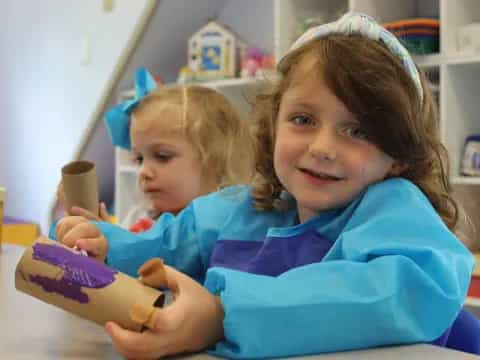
{"type": "Point", "coordinates": [214, 127]}
{"type": "Point", "coordinates": [374, 86]}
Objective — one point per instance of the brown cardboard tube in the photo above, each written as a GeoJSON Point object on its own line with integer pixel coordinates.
{"type": "Point", "coordinates": [64, 278]}
{"type": "Point", "coordinates": [80, 185]}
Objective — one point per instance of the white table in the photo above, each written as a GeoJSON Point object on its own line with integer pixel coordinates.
{"type": "Point", "coordinates": [31, 329]}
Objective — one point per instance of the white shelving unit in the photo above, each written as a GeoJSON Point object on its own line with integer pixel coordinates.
{"type": "Point", "coordinates": [126, 188]}
{"type": "Point", "coordinates": [457, 75]}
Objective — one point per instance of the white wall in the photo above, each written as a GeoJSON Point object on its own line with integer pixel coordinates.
{"type": "Point", "coordinates": [47, 95]}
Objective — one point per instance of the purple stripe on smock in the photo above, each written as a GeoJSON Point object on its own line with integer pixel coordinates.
{"type": "Point", "coordinates": [464, 334]}
{"type": "Point", "coordinates": [272, 256]}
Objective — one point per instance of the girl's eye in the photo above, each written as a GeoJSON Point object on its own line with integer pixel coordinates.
{"type": "Point", "coordinates": [355, 132]}
{"type": "Point", "coordinates": [163, 157]}
{"type": "Point", "coordinates": [302, 120]}
{"type": "Point", "coordinates": [138, 159]}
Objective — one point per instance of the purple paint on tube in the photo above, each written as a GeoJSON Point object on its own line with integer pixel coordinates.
{"type": "Point", "coordinates": [79, 271]}
{"type": "Point", "coordinates": [69, 290]}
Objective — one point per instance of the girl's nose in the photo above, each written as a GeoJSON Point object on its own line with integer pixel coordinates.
{"type": "Point", "coordinates": [146, 170]}
{"type": "Point", "coordinates": [323, 146]}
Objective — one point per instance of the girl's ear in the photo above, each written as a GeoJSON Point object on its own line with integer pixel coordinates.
{"type": "Point", "coordinates": [397, 168]}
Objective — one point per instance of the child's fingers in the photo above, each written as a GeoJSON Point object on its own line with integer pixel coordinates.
{"type": "Point", "coordinates": [172, 316]}
{"type": "Point", "coordinates": [165, 320]}
{"type": "Point", "coordinates": [123, 341]}
{"type": "Point", "coordinates": [78, 211]}
{"type": "Point", "coordinates": [156, 274]}
{"type": "Point", "coordinates": [95, 246]}
{"type": "Point", "coordinates": [65, 225]}
{"type": "Point", "coordinates": [61, 229]}
{"type": "Point", "coordinates": [141, 314]}
{"type": "Point", "coordinates": [79, 231]}
{"type": "Point", "coordinates": [132, 345]}
{"type": "Point", "coordinates": [104, 215]}
{"type": "Point", "coordinates": [174, 279]}
{"type": "Point", "coordinates": [152, 273]}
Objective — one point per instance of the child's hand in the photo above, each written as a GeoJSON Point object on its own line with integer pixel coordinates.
{"type": "Point", "coordinates": [102, 211]}
{"type": "Point", "coordinates": [76, 231]}
{"type": "Point", "coordinates": [191, 323]}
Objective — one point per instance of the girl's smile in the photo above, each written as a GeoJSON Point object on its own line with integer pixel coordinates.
{"type": "Point", "coordinates": [319, 178]}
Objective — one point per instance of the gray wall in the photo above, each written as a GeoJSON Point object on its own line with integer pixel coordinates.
{"type": "Point", "coordinates": [47, 95]}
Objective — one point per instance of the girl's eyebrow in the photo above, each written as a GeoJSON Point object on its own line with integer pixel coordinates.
{"type": "Point", "coordinates": [351, 122]}
{"type": "Point", "coordinates": [164, 147]}
{"type": "Point", "coordinates": [345, 119]}
{"type": "Point", "coordinates": [302, 104]}
{"type": "Point", "coordinates": [298, 97]}
{"type": "Point", "coordinates": [294, 95]}
{"type": "Point", "coordinates": [159, 146]}
{"type": "Point", "coordinates": [299, 101]}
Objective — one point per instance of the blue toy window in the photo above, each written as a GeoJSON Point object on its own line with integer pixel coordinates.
{"type": "Point", "coordinates": [211, 57]}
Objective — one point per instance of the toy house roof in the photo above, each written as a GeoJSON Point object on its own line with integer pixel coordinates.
{"type": "Point", "coordinates": [221, 27]}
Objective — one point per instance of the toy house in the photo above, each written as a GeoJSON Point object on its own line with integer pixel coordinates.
{"type": "Point", "coordinates": [214, 52]}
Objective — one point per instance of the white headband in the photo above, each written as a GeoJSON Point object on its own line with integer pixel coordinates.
{"type": "Point", "coordinates": [361, 24]}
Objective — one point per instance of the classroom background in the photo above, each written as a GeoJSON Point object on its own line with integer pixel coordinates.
{"type": "Point", "coordinates": [65, 63]}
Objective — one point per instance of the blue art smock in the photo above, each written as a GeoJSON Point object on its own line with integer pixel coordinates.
{"type": "Point", "coordinates": [383, 270]}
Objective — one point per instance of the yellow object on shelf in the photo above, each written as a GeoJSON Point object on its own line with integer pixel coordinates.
{"type": "Point", "coordinates": [20, 233]}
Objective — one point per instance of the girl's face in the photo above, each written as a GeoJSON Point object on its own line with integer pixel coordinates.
{"type": "Point", "coordinates": [321, 154]}
{"type": "Point", "coordinates": [170, 174]}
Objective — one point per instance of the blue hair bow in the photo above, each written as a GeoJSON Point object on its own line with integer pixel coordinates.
{"type": "Point", "coordinates": [117, 119]}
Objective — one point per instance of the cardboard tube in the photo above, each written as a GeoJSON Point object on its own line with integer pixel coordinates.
{"type": "Point", "coordinates": [81, 285]}
{"type": "Point", "coordinates": [80, 185]}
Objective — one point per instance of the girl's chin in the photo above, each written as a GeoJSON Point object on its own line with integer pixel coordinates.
{"type": "Point", "coordinates": [158, 208]}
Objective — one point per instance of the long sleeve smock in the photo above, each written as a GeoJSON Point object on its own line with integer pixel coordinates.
{"type": "Point", "coordinates": [382, 270]}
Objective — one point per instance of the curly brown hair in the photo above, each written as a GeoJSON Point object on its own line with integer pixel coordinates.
{"type": "Point", "coordinates": [374, 86]}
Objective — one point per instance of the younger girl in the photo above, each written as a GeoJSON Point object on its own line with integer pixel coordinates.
{"type": "Point", "coordinates": [185, 140]}
{"type": "Point", "coordinates": [344, 241]}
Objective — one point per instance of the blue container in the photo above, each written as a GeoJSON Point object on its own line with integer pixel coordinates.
{"type": "Point", "coordinates": [471, 156]}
